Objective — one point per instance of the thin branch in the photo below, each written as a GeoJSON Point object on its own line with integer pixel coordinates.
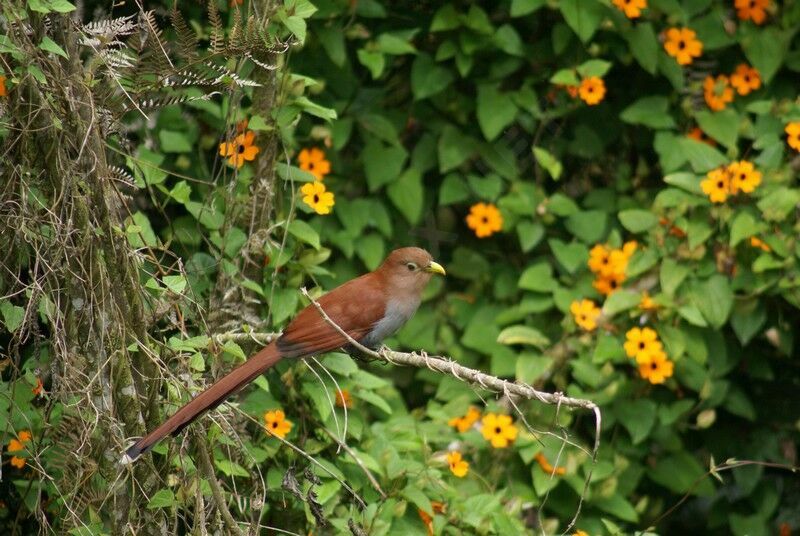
{"type": "Point", "coordinates": [352, 453]}
{"type": "Point", "coordinates": [216, 490]}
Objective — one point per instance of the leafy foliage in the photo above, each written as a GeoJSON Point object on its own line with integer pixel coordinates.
{"type": "Point", "coordinates": [592, 140]}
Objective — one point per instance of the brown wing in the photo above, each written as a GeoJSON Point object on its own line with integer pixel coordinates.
{"type": "Point", "coordinates": [355, 307]}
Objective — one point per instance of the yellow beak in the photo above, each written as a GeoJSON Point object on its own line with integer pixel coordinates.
{"type": "Point", "coordinates": [435, 268]}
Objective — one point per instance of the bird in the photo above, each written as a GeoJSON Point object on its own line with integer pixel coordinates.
{"type": "Point", "coordinates": [368, 308]}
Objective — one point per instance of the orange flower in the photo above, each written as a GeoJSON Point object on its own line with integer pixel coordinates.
{"type": "Point", "coordinates": [484, 219]}
{"type": "Point", "coordinates": [697, 134]}
{"type": "Point", "coordinates": [499, 430]}
{"type": "Point", "coordinates": [585, 313]}
{"type": "Point", "coordinates": [717, 92]}
{"type": "Point", "coordinates": [39, 387]}
{"type": "Point", "coordinates": [580, 533]}
{"type": "Point", "coordinates": [744, 177]}
{"type": "Point", "coordinates": [745, 79]}
{"type": "Point", "coordinates": [758, 243]}
{"type": "Point", "coordinates": [547, 468]}
{"type": "Point", "coordinates": [606, 285]}
{"type": "Point", "coordinates": [657, 368]}
{"type": "Point", "coordinates": [240, 149]}
{"type": "Point", "coordinates": [462, 424]}
{"type": "Point", "coordinates": [793, 135]}
{"type": "Point", "coordinates": [17, 445]}
{"type": "Point", "coordinates": [316, 197]}
{"type": "Point", "coordinates": [592, 90]}
{"type": "Point", "coordinates": [647, 303]}
{"type": "Point", "coordinates": [683, 45]}
{"type": "Point", "coordinates": [3, 90]}
{"type": "Point", "coordinates": [313, 160]}
{"type": "Point", "coordinates": [641, 344]}
{"type": "Point", "coordinates": [716, 185]}
{"type": "Point", "coordinates": [754, 10]}
{"type": "Point", "coordinates": [631, 8]}
{"type": "Point", "coordinates": [458, 466]}
{"type": "Point", "coordinates": [343, 399]}
{"type": "Point", "coordinates": [572, 91]}
{"type": "Point", "coordinates": [276, 423]}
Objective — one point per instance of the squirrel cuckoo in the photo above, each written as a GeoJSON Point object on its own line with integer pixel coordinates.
{"type": "Point", "coordinates": [368, 308]}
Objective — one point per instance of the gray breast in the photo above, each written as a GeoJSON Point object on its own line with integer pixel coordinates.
{"type": "Point", "coordinates": [395, 316]}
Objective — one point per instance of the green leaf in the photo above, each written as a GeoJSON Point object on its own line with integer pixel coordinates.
{"type": "Point", "coordinates": [312, 108]}
{"type": "Point", "coordinates": [679, 472]}
{"type": "Point", "coordinates": [163, 498]}
{"type": "Point", "coordinates": [206, 215]}
{"type": "Point", "coordinates": [374, 399]}
{"type": "Point", "coordinates": [637, 416]}
{"type": "Point", "coordinates": [521, 8]}
{"type": "Point", "coordinates": [702, 157]}
{"type": "Point", "coordinates": [230, 468]}
{"type": "Point", "coordinates": [643, 44]}
{"type": "Point", "coordinates": [672, 275]}
{"type": "Point", "coordinates": [714, 299]}
{"type": "Point", "coordinates": [175, 283]}
{"type": "Point", "coordinates": [530, 234]}
{"type": "Point", "coordinates": [565, 77]}
{"type": "Point", "coordinates": [49, 45]}
{"type": "Point", "coordinates": [652, 111]}
{"type": "Point", "coordinates": [296, 25]}
{"type": "Point", "coordinates": [445, 18]}
{"type": "Point", "coordinates": [172, 141]}
{"type": "Point", "coordinates": [570, 256]}
{"type": "Point", "coordinates": [722, 126]}
{"type": "Point", "coordinates": [617, 506]}
{"type": "Point", "coordinates": [374, 61]}
{"type": "Point", "coordinates": [549, 162]}
{"type": "Point", "coordinates": [408, 194]}
{"type": "Point", "coordinates": [507, 39]}
{"type": "Point", "coordinates": [777, 205]}
{"type": "Point", "coordinates": [453, 190]}
{"type": "Point", "coordinates": [637, 220]}
{"type": "Point", "coordinates": [395, 44]}
{"type": "Point", "coordinates": [428, 78]}
{"type": "Point", "coordinates": [13, 315]}
{"type": "Point", "coordinates": [621, 300]}
{"type": "Point", "coordinates": [304, 232]}
{"type": "Point", "coordinates": [235, 350]}
{"type": "Point", "coordinates": [744, 225]}
{"type": "Point", "coordinates": [454, 148]}
{"type": "Point", "coordinates": [282, 304]}
{"type": "Point", "coordinates": [332, 40]}
{"type": "Point", "coordinates": [382, 164]}
{"type": "Point", "coordinates": [765, 48]}
{"type": "Point", "coordinates": [371, 250]}
{"type": "Point", "coordinates": [588, 225]}
{"type": "Point", "coordinates": [538, 277]}
{"type": "Point", "coordinates": [495, 111]}
{"type": "Point", "coordinates": [583, 16]}
{"type": "Point", "coordinates": [418, 498]}
{"type": "Point", "coordinates": [523, 335]}
{"type": "Point", "coordinates": [61, 6]}
{"type": "Point", "coordinates": [591, 68]}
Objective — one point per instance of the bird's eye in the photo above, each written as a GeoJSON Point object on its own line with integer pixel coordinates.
{"type": "Point", "coordinates": [411, 266]}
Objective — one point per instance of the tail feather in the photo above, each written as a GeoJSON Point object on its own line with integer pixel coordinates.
{"type": "Point", "coordinates": [208, 399]}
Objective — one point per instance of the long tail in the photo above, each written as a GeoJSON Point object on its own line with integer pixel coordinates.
{"type": "Point", "coordinates": [208, 399]}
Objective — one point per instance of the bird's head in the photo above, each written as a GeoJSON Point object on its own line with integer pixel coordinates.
{"type": "Point", "coordinates": [410, 268]}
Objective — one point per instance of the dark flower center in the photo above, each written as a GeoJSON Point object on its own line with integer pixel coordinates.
{"type": "Point", "coordinates": [485, 220]}
{"type": "Point", "coordinates": [681, 44]}
{"type": "Point", "coordinates": [274, 424]}
{"type": "Point", "coordinates": [613, 284]}
{"type": "Point", "coordinates": [641, 345]}
{"type": "Point", "coordinates": [654, 365]}
{"type": "Point", "coordinates": [240, 149]}
{"type": "Point", "coordinates": [720, 184]}
{"type": "Point", "coordinates": [497, 430]}
{"type": "Point", "coordinates": [316, 198]}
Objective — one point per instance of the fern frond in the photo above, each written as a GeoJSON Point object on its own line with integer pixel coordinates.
{"type": "Point", "coordinates": [187, 39]}
{"type": "Point", "coordinates": [217, 30]}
